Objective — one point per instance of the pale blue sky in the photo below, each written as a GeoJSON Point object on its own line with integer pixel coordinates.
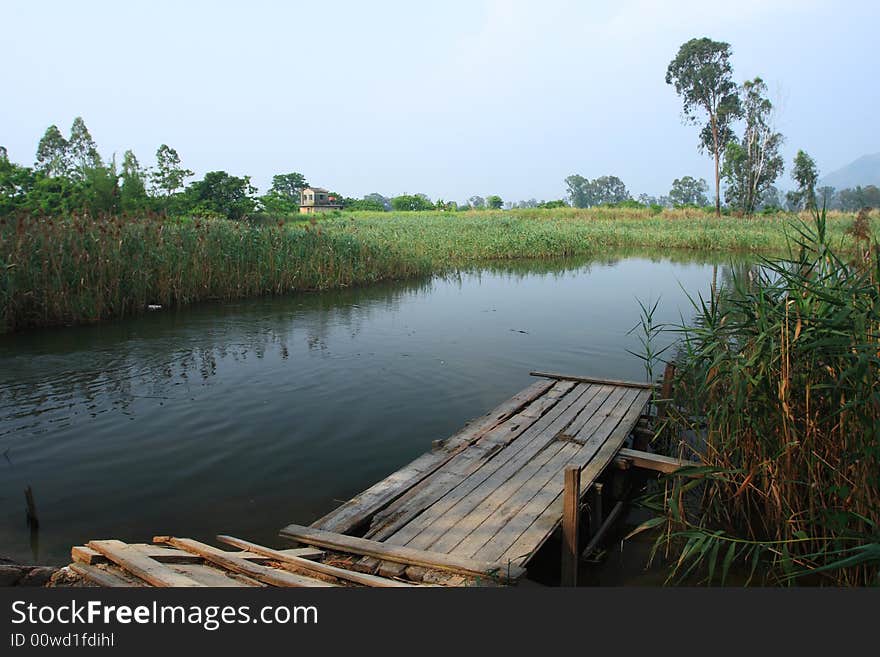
{"type": "Point", "coordinates": [447, 98]}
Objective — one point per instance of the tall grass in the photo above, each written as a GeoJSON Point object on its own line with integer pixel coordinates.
{"type": "Point", "coordinates": [83, 269]}
{"type": "Point", "coordinates": [452, 238]}
{"type": "Point", "coordinates": [782, 370]}
{"type": "Point", "coordinates": [80, 269]}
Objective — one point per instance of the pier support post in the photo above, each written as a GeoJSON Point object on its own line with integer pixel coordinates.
{"type": "Point", "coordinates": [570, 526]}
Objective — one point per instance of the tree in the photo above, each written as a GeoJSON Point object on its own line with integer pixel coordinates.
{"type": "Point", "coordinates": [771, 199]}
{"type": "Point", "coordinates": [806, 175]}
{"type": "Point", "coordinates": [378, 201]}
{"type": "Point", "coordinates": [494, 202]}
{"type": "Point", "coordinates": [220, 193]}
{"type": "Point", "coordinates": [703, 76]}
{"type": "Point", "coordinates": [81, 150]}
{"type": "Point", "coordinates": [408, 203]}
{"type": "Point", "coordinates": [609, 189]}
{"type": "Point", "coordinates": [688, 191]}
{"type": "Point", "coordinates": [283, 196]}
{"type": "Point", "coordinates": [852, 200]}
{"type": "Point", "coordinates": [753, 164]}
{"type": "Point", "coordinates": [16, 183]}
{"type": "Point", "coordinates": [52, 155]}
{"type": "Point", "coordinates": [169, 175]}
{"type": "Point", "coordinates": [477, 202]}
{"type": "Point", "coordinates": [580, 191]}
{"type": "Point", "coordinates": [133, 194]}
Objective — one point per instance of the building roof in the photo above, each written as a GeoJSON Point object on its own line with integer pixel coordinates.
{"type": "Point", "coordinates": [317, 189]}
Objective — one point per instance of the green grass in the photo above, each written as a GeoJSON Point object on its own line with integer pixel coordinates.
{"type": "Point", "coordinates": [83, 269]}
{"type": "Point", "coordinates": [453, 239]}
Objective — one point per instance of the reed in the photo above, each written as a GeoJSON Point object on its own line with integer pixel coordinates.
{"type": "Point", "coordinates": [81, 269]}
{"type": "Point", "coordinates": [779, 381]}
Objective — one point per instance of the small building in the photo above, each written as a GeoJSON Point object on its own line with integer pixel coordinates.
{"type": "Point", "coordinates": [316, 199]}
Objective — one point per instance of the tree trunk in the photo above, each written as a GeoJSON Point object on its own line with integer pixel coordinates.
{"type": "Point", "coordinates": [717, 170]}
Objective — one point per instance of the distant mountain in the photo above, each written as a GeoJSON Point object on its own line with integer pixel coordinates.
{"type": "Point", "coordinates": [863, 171]}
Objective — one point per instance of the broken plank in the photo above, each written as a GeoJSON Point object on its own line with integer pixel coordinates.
{"type": "Point", "coordinates": [140, 565]}
{"type": "Point", "coordinates": [312, 566]}
{"type": "Point", "coordinates": [213, 577]}
{"type": "Point", "coordinates": [236, 564]}
{"type": "Point", "coordinates": [400, 554]}
{"type": "Point", "coordinates": [86, 555]}
{"type": "Point", "coordinates": [361, 508]}
{"type": "Point", "coordinates": [102, 576]}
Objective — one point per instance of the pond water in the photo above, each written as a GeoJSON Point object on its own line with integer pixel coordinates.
{"type": "Point", "coordinates": [243, 417]}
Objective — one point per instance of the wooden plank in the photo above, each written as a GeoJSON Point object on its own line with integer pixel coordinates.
{"type": "Point", "coordinates": [399, 554]}
{"type": "Point", "coordinates": [359, 509]}
{"type": "Point", "coordinates": [86, 555]}
{"type": "Point", "coordinates": [571, 497]}
{"type": "Point", "coordinates": [656, 462]}
{"type": "Point", "coordinates": [140, 565]}
{"type": "Point", "coordinates": [493, 450]}
{"type": "Point", "coordinates": [313, 566]}
{"type": "Point", "coordinates": [102, 576]}
{"type": "Point", "coordinates": [236, 564]}
{"type": "Point", "coordinates": [544, 524]}
{"type": "Point", "coordinates": [208, 576]}
{"type": "Point", "coordinates": [588, 379]}
{"type": "Point", "coordinates": [512, 508]}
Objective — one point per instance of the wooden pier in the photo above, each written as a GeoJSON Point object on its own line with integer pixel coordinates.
{"type": "Point", "coordinates": [474, 510]}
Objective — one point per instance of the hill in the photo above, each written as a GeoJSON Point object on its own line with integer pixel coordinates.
{"type": "Point", "coordinates": [863, 171]}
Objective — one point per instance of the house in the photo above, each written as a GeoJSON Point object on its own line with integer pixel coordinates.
{"type": "Point", "coordinates": [316, 199]}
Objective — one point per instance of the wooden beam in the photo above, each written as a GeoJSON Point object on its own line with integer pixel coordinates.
{"type": "Point", "coordinates": [400, 554]}
{"type": "Point", "coordinates": [313, 566]}
{"type": "Point", "coordinates": [271, 576]}
{"type": "Point", "coordinates": [587, 379]}
{"type": "Point", "coordinates": [570, 526]}
{"type": "Point", "coordinates": [599, 534]}
{"type": "Point", "coordinates": [140, 565]}
{"type": "Point", "coordinates": [88, 556]}
{"type": "Point", "coordinates": [648, 461]}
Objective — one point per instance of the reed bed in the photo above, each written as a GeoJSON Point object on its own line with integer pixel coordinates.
{"type": "Point", "coordinates": [452, 238]}
{"type": "Point", "coordinates": [82, 269]}
{"type": "Point", "coordinates": [779, 380]}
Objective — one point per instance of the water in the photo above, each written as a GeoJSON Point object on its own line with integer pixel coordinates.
{"type": "Point", "coordinates": [241, 418]}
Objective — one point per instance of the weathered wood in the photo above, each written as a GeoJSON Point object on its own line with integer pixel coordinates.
{"type": "Point", "coordinates": [538, 492]}
{"type": "Point", "coordinates": [571, 496]}
{"type": "Point", "coordinates": [399, 554]}
{"type": "Point", "coordinates": [485, 489]}
{"type": "Point", "coordinates": [656, 462]}
{"type": "Point", "coordinates": [140, 565]}
{"type": "Point", "coordinates": [101, 576]}
{"type": "Point", "coordinates": [588, 379]}
{"type": "Point", "coordinates": [546, 521]}
{"type": "Point", "coordinates": [359, 509]}
{"type": "Point", "coordinates": [313, 566]}
{"type": "Point", "coordinates": [219, 557]}
{"type": "Point", "coordinates": [213, 577]}
{"type": "Point", "coordinates": [516, 430]}
{"type": "Point", "coordinates": [86, 555]}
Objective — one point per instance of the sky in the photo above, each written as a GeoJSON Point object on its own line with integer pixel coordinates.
{"type": "Point", "coordinates": [451, 99]}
